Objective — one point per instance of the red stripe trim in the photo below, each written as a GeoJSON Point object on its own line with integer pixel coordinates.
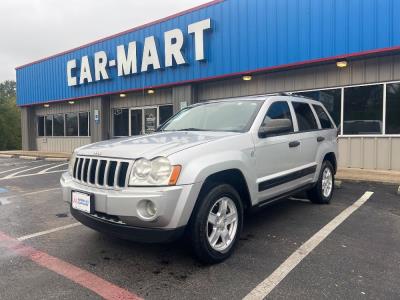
{"type": "Point", "coordinates": [126, 31]}
{"type": "Point", "coordinates": [84, 278]}
{"type": "Point", "coordinates": [219, 77]}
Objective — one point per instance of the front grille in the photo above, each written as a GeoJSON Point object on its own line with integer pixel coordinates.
{"type": "Point", "coordinates": [101, 172]}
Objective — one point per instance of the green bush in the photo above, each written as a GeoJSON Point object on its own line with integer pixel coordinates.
{"type": "Point", "coordinates": [10, 117]}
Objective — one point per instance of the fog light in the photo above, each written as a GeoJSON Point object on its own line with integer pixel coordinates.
{"type": "Point", "coordinates": [147, 210]}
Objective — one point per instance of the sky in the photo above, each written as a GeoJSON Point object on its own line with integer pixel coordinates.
{"type": "Point", "coordinates": [34, 29]}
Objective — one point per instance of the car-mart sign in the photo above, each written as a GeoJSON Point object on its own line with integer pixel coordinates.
{"type": "Point", "coordinates": [88, 70]}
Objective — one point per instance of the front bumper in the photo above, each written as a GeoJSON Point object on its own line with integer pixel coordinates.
{"type": "Point", "coordinates": [174, 206]}
{"type": "Point", "coordinates": [137, 234]}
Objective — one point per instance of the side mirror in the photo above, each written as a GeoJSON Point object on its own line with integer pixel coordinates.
{"type": "Point", "coordinates": [275, 127]}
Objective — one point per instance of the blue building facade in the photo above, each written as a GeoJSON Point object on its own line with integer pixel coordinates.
{"type": "Point", "coordinates": [244, 36]}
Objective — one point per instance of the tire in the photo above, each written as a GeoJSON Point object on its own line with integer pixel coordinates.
{"type": "Point", "coordinates": [201, 230]}
{"type": "Point", "coordinates": [318, 194]}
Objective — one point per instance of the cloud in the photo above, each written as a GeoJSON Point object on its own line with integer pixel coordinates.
{"type": "Point", "coordinates": [33, 29]}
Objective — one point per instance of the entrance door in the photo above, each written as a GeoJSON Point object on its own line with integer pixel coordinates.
{"type": "Point", "coordinates": [150, 120]}
{"type": "Point", "coordinates": [136, 121]}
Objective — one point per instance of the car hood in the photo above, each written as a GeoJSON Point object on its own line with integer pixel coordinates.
{"type": "Point", "coordinates": [150, 146]}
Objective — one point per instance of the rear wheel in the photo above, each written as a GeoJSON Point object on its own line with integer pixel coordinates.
{"type": "Point", "coordinates": [322, 192]}
{"type": "Point", "coordinates": [216, 224]}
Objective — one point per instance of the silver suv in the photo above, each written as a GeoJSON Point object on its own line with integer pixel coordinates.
{"type": "Point", "coordinates": [203, 169]}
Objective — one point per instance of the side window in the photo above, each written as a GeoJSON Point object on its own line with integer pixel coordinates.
{"type": "Point", "coordinates": [279, 110]}
{"type": "Point", "coordinates": [323, 117]}
{"type": "Point", "coordinates": [305, 116]}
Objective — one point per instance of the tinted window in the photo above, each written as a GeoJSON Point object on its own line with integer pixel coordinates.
{"type": "Point", "coordinates": [165, 113]}
{"type": "Point", "coordinates": [49, 125]}
{"type": "Point", "coordinates": [136, 121]}
{"type": "Point", "coordinates": [84, 124]}
{"type": "Point", "coordinates": [40, 126]}
{"type": "Point", "coordinates": [363, 108]}
{"type": "Point", "coordinates": [71, 121]}
{"type": "Point", "coordinates": [278, 110]}
{"type": "Point", "coordinates": [121, 122]}
{"type": "Point", "coordinates": [323, 117]}
{"type": "Point", "coordinates": [331, 99]}
{"type": "Point", "coordinates": [305, 116]}
{"type": "Point", "coordinates": [393, 108]}
{"type": "Point", "coordinates": [58, 125]}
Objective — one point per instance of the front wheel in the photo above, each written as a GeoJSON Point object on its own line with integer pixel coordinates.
{"type": "Point", "coordinates": [217, 224]}
{"type": "Point", "coordinates": [322, 192]}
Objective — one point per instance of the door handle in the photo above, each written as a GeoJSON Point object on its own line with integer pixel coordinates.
{"type": "Point", "coordinates": [294, 144]}
{"type": "Point", "coordinates": [320, 139]}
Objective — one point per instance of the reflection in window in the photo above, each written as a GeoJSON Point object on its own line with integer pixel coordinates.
{"type": "Point", "coordinates": [165, 113]}
{"type": "Point", "coordinates": [363, 107]}
{"type": "Point", "coordinates": [49, 125]}
{"type": "Point", "coordinates": [71, 121]}
{"type": "Point", "coordinates": [323, 117]}
{"type": "Point", "coordinates": [331, 99]}
{"type": "Point", "coordinates": [84, 129]}
{"type": "Point", "coordinates": [278, 110]}
{"type": "Point", "coordinates": [121, 122]}
{"type": "Point", "coordinates": [58, 125]}
{"type": "Point", "coordinates": [393, 108]}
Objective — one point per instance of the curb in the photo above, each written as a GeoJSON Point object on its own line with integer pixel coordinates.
{"type": "Point", "coordinates": [29, 157]}
{"type": "Point", "coordinates": [7, 156]}
{"type": "Point", "coordinates": [56, 159]}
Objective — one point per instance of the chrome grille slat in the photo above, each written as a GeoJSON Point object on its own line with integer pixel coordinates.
{"type": "Point", "coordinates": [99, 172]}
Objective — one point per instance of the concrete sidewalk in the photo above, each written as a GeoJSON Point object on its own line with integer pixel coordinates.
{"type": "Point", "coordinates": [368, 175]}
{"type": "Point", "coordinates": [36, 155]}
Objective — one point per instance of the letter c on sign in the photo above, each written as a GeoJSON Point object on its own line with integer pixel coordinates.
{"type": "Point", "coordinates": [70, 66]}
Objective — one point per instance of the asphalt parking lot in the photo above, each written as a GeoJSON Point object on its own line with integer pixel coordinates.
{"type": "Point", "coordinates": [350, 249]}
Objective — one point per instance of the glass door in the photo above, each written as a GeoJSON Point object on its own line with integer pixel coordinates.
{"type": "Point", "coordinates": [136, 121]}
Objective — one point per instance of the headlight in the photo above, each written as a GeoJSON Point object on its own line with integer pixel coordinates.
{"type": "Point", "coordinates": [156, 172]}
{"type": "Point", "coordinates": [71, 164]}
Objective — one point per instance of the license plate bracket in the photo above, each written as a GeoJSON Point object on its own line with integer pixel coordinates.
{"type": "Point", "coordinates": [82, 201]}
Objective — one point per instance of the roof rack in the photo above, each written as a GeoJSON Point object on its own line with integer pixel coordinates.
{"type": "Point", "coordinates": [291, 94]}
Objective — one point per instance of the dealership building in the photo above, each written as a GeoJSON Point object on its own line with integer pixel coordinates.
{"type": "Point", "coordinates": [344, 53]}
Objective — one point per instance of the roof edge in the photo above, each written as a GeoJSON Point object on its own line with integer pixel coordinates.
{"type": "Point", "coordinates": [178, 14]}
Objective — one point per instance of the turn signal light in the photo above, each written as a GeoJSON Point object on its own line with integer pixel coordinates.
{"type": "Point", "coordinates": [176, 171]}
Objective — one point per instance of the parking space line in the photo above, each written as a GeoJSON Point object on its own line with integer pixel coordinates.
{"type": "Point", "coordinates": [6, 200]}
{"type": "Point", "coordinates": [84, 278]}
{"type": "Point", "coordinates": [266, 286]}
{"type": "Point", "coordinates": [10, 170]}
{"type": "Point", "coordinates": [41, 233]}
{"type": "Point", "coordinates": [53, 167]}
{"type": "Point", "coordinates": [26, 170]}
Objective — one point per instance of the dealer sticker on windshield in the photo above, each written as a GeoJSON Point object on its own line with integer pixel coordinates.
{"type": "Point", "coordinates": [82, 202]}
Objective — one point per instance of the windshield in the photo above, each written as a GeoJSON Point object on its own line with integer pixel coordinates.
{"type": "Point", "coordinates": [236, 116]}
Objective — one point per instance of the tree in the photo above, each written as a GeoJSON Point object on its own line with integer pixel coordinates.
{"type": "Point", "coordinates": [10, 117]}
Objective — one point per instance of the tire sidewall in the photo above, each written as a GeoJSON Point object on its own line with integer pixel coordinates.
{"type": "Point", "coordinates": [201, 218]}
{"type": "Point", "coordinates": [326, 164]}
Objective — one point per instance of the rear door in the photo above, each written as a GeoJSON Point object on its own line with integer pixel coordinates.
{"type": "Point", "coordinates": [307, 140]}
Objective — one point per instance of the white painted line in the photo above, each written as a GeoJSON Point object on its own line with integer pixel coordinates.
{"type": "Point", "coordinates": [265, 287]}
{"type": "Point", "coordinates": [51, 168]}
{"type": "Point", "coordinates": [26, 170]}
{"type": "Point", "coordinates": [41, 233]}
{"type": "Point", "coordinates": [15, 169]}
{"type": "Point", "coordinates": [4, 201]}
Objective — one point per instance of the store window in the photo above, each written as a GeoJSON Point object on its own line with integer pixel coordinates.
{"type": "Point", "coordinates": [323, 117]}
{"type": "Point", "coordinates": [84, 124]}
{"type": "Point", "coordinates": [136, 121]}
{"type": "Point", "coordinates": [393, 108]}
{"type": "Point", "coordinates": [40, 126]}
{"type": "Point", "coordinates": [331, 99]}
{"type": "Point", "coordinates": [363, 108]}
{"type": "Point", "coordinates": [49, 125]}
{"type": "Point", "coordinates": [58, 125]}
{"type": "Point", "coordinates": [305, 116]}
{"type": "Point", "coordinates": [71, 124]}
{"type": "Point", "coordinates": [121, 122]}
{"type": "Point", "coordinates": [165, 112]}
